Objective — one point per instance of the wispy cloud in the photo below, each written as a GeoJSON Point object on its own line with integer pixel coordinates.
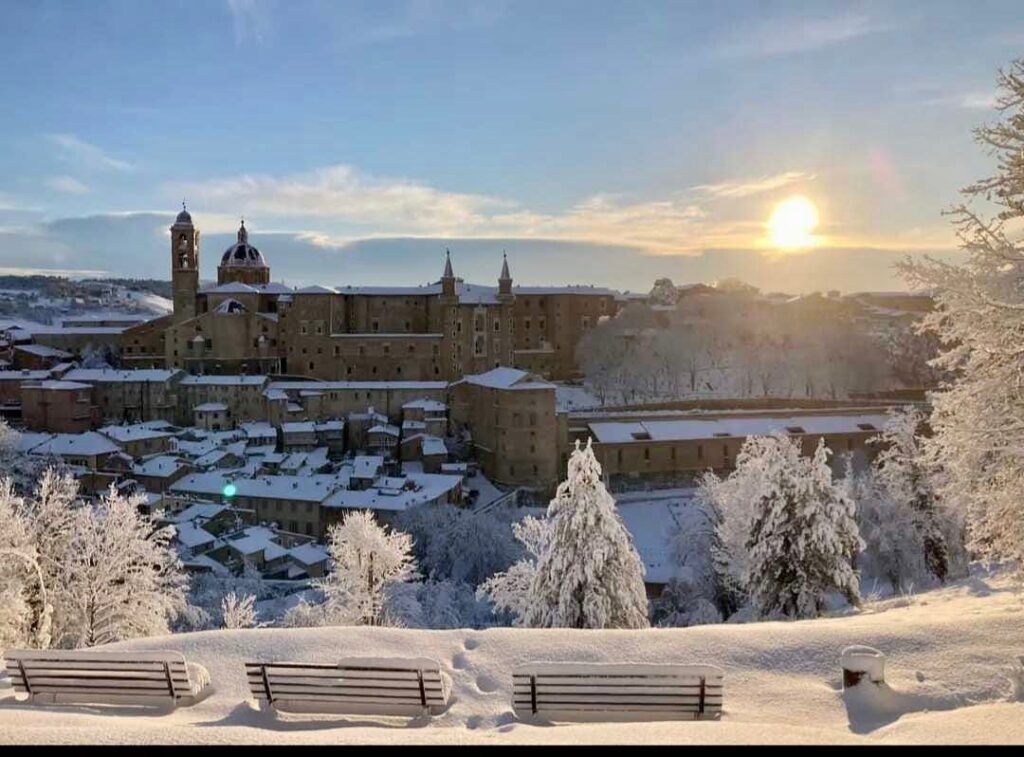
{"type": "Point", "coordinates": [75, 150]}
{"type": "Point", "coordinates": [67, 185]}
{"type": "Point", "coordinates": [251, 19]}
{"type": "Point", "coordinates": [350, 205]}
{"type": "Point", "coordinates": [969, 100]}
{"type": "Point", "coordinates": [738, 188]}
{"type": "Point", "coordinates": [795, 34]}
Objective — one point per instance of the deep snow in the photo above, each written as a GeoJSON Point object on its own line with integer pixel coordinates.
{"type": "Point", "coordinates": [947, 652]}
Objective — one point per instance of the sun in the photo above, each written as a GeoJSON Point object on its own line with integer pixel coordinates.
{"type": "Point", "coordinates": [792, 223]}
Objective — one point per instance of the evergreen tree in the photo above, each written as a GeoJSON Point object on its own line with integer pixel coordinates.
{"type": "Point", "coordinates": [803, 537]}
{"type": "Point", "coordinates": [589, 574]}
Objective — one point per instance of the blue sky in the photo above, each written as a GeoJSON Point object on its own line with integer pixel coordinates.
{"type": "Point", "coordinates": [601, 142]}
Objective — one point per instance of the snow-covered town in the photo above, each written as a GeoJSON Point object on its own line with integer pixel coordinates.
{"type": "Point", "coordinates": [320, 456]}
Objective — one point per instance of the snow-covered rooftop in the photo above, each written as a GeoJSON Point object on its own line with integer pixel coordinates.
{"type": "Point", "coordinates": [367, 466]}
{"type": "Point", "coordinates": [41, 350]}
{"type": "Point", "coordinates": [313, 488]}
{"type": "Point", "coordinates": [507, 378]}
{"type": "Point", "coordinates": [159, 466]}
{"type": "Point", "coordinates": [134, 433]}
{"type": "Point", "coordinates": [225, 380]}
{"type": "Point", "coordinates": [654, 519]}
{"type": "Point", "coordinates": [111, 375]}
{"type": "Point", "coordinates": [618, 432]}
{"type": "Point", "coordinates": [89, 443]}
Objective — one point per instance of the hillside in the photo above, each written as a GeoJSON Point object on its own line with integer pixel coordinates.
{"type": "Point", "coordinates": [948, 652]}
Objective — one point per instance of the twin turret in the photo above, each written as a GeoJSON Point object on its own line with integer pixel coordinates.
{"type": "Point", "coordinates": [448, 280]}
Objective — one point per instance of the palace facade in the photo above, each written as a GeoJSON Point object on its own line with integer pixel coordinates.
{"type": "Point", "coordinates": [248, 324]}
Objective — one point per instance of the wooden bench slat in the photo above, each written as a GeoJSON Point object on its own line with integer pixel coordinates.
{"type": "Point", "coordinates": [620, 680]}
{"type": "Point", "coordinates": [33, 665]}
{"type": "Point", "coordinates": [339, 683]}
{"type": "Point", "coordinates": [280, 690]}
{"type": "Point", "coordinates": [356, 685]}
{"type": "Point", "coordinates": [589, 691]}
{"type": "Point", "coordinates": [84, 676]}
{"type": "Point", "coordinates": [303, 697]}
{"type": "Point", "coordinates": [406, 676]}
{"type": "Point", "coordinates": [626, 690]}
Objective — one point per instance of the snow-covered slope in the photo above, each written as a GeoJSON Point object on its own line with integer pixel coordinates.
{"type": "Point", "coordinates": [947, 651]}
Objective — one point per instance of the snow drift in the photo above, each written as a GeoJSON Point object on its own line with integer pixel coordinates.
{"type": "Point", "coordinates": [947, 654]}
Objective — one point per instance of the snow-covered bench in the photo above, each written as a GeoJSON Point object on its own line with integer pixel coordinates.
{"type": "Point", "coordinates": [356, 686]}
{"type": "Point", "coordinates": [597, 692]}
{"type": "Point", "coordinates": [59, 676]}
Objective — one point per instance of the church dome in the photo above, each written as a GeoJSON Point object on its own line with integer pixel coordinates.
{"type": "Point", "coordinates": [183, 217]}
{"type": "Point", "coordinates": [242, 254]}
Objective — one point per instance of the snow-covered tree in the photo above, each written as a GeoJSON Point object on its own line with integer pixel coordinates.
{"type": "Point", "coordinates": [589, 574]}
{"type": "Point", "coordinates": [803, 536]}
{"type": "Point", "coordinates": [509, 590]}
{"type": "Point", "coordinates": [119, 578]}
{"type": "Point", "coordinates": [238, 611]}
{"type": "Point", "coordinates": [460, 545]}
{"type": "Point", "coordinates": [683, 603]}
{"type": "Point", "coordinates": [367, 560]}
{"type": "Point", "coordinates": [893, 550]}
{"type": "Point", "coordinates": [663, 292]}
{"type": "Point", "coordinates": [19, 569]}
{"type": "Point", "coordinates": [977, 416]}
{"type": "Point", "coordinates": [23, 469]}
{"type": "Point", "coordinates": [900, 468]}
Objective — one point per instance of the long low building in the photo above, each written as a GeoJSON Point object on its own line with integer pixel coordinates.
{"type": "Point", "coordinates": [658, 445]}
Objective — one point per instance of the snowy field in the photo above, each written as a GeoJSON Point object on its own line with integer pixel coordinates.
{"type": "Point", "coordinates": [948, 652]}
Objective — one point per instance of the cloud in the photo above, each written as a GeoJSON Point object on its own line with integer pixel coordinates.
{"type": "Point", "coordinates": [795, 34]}
{"type": "Point", "coordinates": [250, 18]}
{"type": "Point", "coordinates": [358, 206]}
{"type": "Point", "coordinates": [751, 186]}
{"type": "Point", "coordinates": [136, 244]}
{"type": "Point", "coordinates": [972, 100]}
{"type": "Point", "coordinates": [89, 156]}
{"type": "Point", "coordinates": [334, 206]}
{"type": "Point", "coordinates": [67, 185]}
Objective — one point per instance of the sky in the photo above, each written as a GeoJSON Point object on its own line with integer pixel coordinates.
{"type": "Point", "coordinates": [593, 141]}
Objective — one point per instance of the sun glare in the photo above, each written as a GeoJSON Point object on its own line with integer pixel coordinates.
{"type": "Point", "coordinates": [792, 223]}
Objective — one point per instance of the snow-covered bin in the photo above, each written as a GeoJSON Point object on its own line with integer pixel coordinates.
{"type": "Point", "coordinates": [858, 662]}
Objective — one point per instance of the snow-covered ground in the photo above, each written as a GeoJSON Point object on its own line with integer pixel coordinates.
{"type": "Point", "coordinates": [947, 651]}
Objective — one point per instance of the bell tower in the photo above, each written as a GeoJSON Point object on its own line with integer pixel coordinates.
{"type": "Point", "coordinates": [184, 265]}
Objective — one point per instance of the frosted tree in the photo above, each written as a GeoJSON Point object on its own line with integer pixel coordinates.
{"type": "Point", "coordinates": [893, 549]}
{"type": "Point", "coordinates": [238, 611]}
{"type": "Point", "coordinates": [803, 538]}
{"type": "Point", "coordinates": [23, 469]}
{"type": "Point", "coordinates": [977, 415]}
{"type": "Point", "coordinates": [509, 590]}
{"type": "Point", "coordinates": [367, 559]}
{"type": "Point", "coordinates": [19, 570]}
{"type": "Point", "coordinates": [682, 603]}
{"type": "Point", "coordinates": [50, 516]}
{"type": "Point", "coordinates": [900, 468]}
{"type": "Point", "coordinates": [460, 545]}
{"type": "Point", "coordinates": [589, 574]}
{"type": "Point", "coordinates": [120, 578]}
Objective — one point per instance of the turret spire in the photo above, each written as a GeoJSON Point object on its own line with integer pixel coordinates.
{"type": "Point", "coordinates": [448, 273]}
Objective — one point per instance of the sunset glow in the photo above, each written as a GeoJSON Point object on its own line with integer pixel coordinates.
{"type": "Point", "coordinates": [792, 224]}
